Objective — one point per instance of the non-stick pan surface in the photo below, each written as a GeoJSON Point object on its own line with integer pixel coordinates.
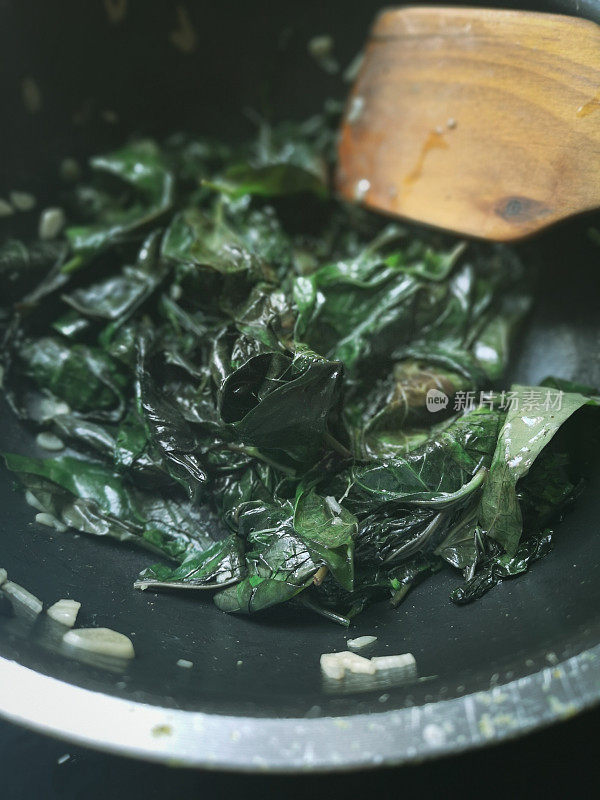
{"type": "Point", "coordinates": [524, 655]}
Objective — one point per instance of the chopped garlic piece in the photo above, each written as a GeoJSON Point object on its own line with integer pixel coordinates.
{"type": "Point", "coordinates": [102, 641]}
{"type": "Point", "coordinates": [333, 666]}
{"type": "Point", "coordinates": [22, 597]}
{"type": "Point", "coordinates": [70, 170]}
{"type": "Point", "coordinates": [22, 201]}
{"type": "Point", "coordinates": [65, 612]}
{"type": "Point", "coordinates": [358, 664]}
{"type": "Point", "coordinates": [405, 662]}
{"type": "Point", "coordinates": [52, 221]}
{"type": "Point", "coordinates": [320, 46]}
{"type": "Point", "coordinates": [48, 441]}
{"type": "Point", "coordinates": [361, 641]}
{"type": "Point", "coordinates": [50, 522]}
{"type": "Point", "coordinates": [50, 408]}
{"type": "Point", "coordinates": [31, 94]}
{"type": "Point", "coordinates": [333, 505]}
{"type": "Point", "coordinates": [32, 500]}
{"type": "Point", "coordinates": [3, 576]}
{"type": "Point", "coordinates": [183, 662]}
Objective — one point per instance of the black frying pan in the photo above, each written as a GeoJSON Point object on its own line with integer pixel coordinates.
{"type": "Point", "coordinates": [524, 655]}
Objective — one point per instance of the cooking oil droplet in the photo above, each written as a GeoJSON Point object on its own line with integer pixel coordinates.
{"type": "Point", "coordinates": [588, 108]}
{"type": "Point", "coordinates": [433, 141]}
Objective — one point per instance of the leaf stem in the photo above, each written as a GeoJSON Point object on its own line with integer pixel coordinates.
{"type": "Point", "coordinates": [320, 574]}
{"type": "Point", "coordinates": [73, 264]}
{"type": "Point", "coordinates": [253, 452]}
{"type": "Point", "coordinates": [399, 596]}
{"type": "Point", "coordinates": [325, 612]}
{"type": "Point", "coordinates": [337, 446]}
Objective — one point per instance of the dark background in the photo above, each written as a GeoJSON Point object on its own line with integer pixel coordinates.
{"type": "Point", "coordinates": [246, 54]}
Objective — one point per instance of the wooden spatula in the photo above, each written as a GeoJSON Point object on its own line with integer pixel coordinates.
{"type": "Point", "coordinates": [479, 121]}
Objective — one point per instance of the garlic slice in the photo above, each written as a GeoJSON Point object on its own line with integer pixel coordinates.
{"type": "Point", "coordinates": [64, 611]}
{"type": "Point", "coordinates": [102, 641]}
{"type": "Point", "coordinates": [361, 641]}
{"type": "Point", "coordinates": [22, 597]}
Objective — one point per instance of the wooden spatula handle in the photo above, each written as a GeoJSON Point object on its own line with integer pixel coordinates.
{"type": "Point", "coordinates": [480, 121]}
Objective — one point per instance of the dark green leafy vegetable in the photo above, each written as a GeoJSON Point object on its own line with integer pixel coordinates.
{"type": "Point", "coordinates": [85, 377]}
{"type": "Point", "coordinates": [526, 432]}
{"type": "Point", "coordinates": [220, 564]}
{"type": "Point", "coordinates": [277, 402]}
{"type": "Point", "coordinates": [143, 191]}
{"type": "Point", "coordinates": [92, 498]}
{"type": "Point", "coordinates": [268, 388]}
{"type": "Point", "coordinates": [21, 265]}
{"type": "Point", "coordinates": [279, 564]}
{"type": "Point", "coordinates": [287, 160]}
{"type": "Point", "coordinates": [203, 241]}
{"type": "Point", "coordinates": [499, 565]}
{"type": "Point", "coordinates": [328, 528]}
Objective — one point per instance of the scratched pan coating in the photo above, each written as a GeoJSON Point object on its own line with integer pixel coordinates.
{"type": "Point", "coordinates": [526, 654]}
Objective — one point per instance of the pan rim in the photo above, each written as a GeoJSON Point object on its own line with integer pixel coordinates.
{"type": "Point", "coordinates": [287, 745]}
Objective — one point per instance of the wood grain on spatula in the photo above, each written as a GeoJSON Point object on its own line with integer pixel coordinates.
{"type": "Point", "coordinates": [479, 121]}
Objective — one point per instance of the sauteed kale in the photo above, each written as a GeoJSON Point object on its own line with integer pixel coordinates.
{"type": "Point", "coordinates": [285, 397]}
